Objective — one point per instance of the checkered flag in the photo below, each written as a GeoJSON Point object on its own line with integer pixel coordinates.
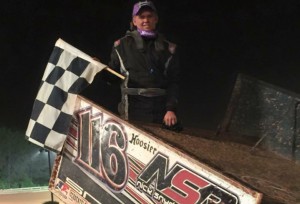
{"type": "Point", "coordinates": [68, 72]}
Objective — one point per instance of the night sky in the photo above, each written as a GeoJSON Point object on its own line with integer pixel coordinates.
{"type": "Point", "coordinates": [216, 40]}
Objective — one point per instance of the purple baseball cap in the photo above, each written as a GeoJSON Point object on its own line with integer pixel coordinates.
{"type": "Point", "coordinates": [142, 4]}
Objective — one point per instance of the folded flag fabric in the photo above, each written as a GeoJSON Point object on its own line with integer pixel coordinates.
{"type": "Point", "coordinates": [67, 73]}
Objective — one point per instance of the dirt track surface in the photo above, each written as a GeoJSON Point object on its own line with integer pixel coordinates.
{"type": "Point", "coordinates": [43, 197]}
{"type": "Point", "coordinates": [276, 177]}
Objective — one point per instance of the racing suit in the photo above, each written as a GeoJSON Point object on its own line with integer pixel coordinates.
{"type": "Point", "coordinates": [152, 72]}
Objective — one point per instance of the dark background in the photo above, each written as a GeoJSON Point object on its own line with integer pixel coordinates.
{"type": "Point", "coordinates": [216, 40]}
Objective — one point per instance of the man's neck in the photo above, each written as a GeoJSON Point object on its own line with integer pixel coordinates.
{"type": "Point", "coordinates": [147, 34]}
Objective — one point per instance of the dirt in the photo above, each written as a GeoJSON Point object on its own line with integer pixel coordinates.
{"type": "Point", "coordinates": [264, 171]}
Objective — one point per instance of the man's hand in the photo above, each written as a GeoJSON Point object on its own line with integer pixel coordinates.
{"type": "Point", "coordinates": [170, 118]}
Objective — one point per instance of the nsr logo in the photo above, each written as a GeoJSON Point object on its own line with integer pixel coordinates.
{"type": "Point", "coordinates": [179, 185]}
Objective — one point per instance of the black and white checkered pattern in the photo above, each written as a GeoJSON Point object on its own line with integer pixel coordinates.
{"type": "Point", "coordinates": [68, 72]}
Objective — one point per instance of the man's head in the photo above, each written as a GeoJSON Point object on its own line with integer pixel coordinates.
{"type": "Point", "coordinates": [142, 5]}
{"type": "Point", "coordinates": [144, 16]}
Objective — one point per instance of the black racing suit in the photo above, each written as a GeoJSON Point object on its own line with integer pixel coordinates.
{"type": "Point", "coordinates": [147, 64]}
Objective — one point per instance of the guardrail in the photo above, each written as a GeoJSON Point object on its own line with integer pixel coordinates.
{"type": "Point", "coordinates": [23, 190]}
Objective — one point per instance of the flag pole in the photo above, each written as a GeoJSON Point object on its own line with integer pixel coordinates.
{"type": "Point", "coordinates": [109, 69]}
{"type": "Point", "coordinates": [115, 73]}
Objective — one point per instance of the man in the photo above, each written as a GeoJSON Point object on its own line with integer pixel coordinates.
{"type": "Point", "coordinates": [151, 68]}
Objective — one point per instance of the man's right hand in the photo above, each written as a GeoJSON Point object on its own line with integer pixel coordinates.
{"type": "Point", "coordinates": [170, 118]}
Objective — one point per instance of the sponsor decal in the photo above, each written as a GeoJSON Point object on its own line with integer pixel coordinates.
{"type": "Point", "coordinates": [75, 198]}
{"type": "Point", "coordinates": [135, 140]}
{"type": "Point", "coordinates": [68, 193]}
{"type": "Point", "coordinates": [63, 188]}
{"type": "Point", "coordinates": [179, 184]}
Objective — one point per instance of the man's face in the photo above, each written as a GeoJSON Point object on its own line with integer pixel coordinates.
{"type": "Point", "coordinates": [145, 20]}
